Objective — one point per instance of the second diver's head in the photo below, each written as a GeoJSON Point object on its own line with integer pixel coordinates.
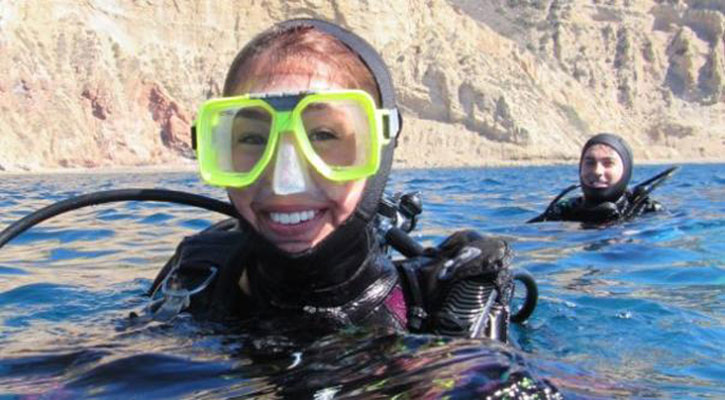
{"type": "Point", "coordinates": [307, 127]}
{"type": "Point", "coordinates": [605, 168]}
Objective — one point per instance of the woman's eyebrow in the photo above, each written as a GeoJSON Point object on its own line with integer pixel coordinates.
{"type": "Point", "coordinates": [253, 114]}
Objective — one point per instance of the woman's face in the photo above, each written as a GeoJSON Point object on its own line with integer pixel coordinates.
{"type": "Point", "coordinates": [295, 222]}
{"type": "Point", "coordinates": [601, 167]}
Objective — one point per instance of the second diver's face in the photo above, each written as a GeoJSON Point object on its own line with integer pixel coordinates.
{"type": "Point", "coordinates": [601, 167]}
{"type": "Point", "coordinates": [299, 221]}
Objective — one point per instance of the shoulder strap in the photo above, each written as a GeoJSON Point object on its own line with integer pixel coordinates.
{"type": "Point", "coordinates": [201, 256]}
{"type": "Point", "coordinates": [417, 315]}
{"type": "Point", "coordinates": [223, 299]}
{"type": "Point", "coordinates": [209, 247]}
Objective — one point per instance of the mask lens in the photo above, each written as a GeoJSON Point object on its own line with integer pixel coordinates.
{"type": "Point", "coordinates": [339, 131]}
{"type": "Point", "coordinates": [241, 137]}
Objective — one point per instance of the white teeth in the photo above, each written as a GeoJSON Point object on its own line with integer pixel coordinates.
{"type": "Point", "coordinates": [292, 218]}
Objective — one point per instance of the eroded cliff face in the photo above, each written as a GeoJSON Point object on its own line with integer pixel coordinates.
{"type": "Point", "coordinates": [104, 83]}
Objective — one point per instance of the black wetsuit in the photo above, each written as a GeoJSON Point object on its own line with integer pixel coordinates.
{"type": "Point", "coordinates": [577, 209]}
{"type": "Point", "coordinates": [403, 295]}
{"type": "Point", "coordinates": [372, 295]}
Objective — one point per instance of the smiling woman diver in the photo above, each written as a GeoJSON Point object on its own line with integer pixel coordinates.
{"type": "Point", "coordinates": [303, 140]}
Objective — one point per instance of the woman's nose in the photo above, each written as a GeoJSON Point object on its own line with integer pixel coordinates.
{"type": "Point", "coordinates": [289, 168]}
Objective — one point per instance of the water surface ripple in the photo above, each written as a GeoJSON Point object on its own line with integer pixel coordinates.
{"type": "Point", "coordinates": [632, 311]}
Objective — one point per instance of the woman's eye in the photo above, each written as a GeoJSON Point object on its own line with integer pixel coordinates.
{"type": "Point", "coordinates": [253, 139]}
{"type": "Point", "coordinates": [321, 135]}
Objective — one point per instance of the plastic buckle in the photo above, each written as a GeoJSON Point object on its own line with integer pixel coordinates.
{"type": "Point", "coordinates": [176, 298]}
{"type": "Point", "coordinates": [416, 317]}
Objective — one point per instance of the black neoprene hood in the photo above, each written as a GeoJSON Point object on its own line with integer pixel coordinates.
{"type": "Point", "coordinates": [344, 253]}
{"type": "Point", "coordinates": [614, 192]}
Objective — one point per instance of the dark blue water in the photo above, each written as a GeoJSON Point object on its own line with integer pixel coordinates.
{"type": "Point", "coordinates": [631, 311]}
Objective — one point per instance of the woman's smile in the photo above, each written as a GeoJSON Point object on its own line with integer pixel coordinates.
{"type": "Point", "coordinates": [293, 228]}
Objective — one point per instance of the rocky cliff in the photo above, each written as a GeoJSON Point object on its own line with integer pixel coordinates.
{"type": "Point", "coordinates": [102, 83]}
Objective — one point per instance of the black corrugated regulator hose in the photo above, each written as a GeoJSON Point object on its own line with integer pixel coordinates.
{"type": "Point", "coordinates": [110, 196]}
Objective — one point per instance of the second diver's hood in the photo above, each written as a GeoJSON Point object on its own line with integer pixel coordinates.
{"type": "Point", "coordinates": [339, 260]}
{"type": "Point", "coordinates": [614, 192]}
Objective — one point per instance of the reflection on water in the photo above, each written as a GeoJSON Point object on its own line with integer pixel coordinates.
{"type": "Point", "coordinates": [635, 310]}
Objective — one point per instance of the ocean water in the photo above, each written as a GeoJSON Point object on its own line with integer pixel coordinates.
{"type": "Point", "coordinates": [631, 311]}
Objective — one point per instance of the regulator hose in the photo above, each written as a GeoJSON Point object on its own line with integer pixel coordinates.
{"type": "Point", "coordinates": [542, 216]}
{"type": "Point", "coordinates": [110, 196]}
{"type": "Point", "coordinates": [532, 296]}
